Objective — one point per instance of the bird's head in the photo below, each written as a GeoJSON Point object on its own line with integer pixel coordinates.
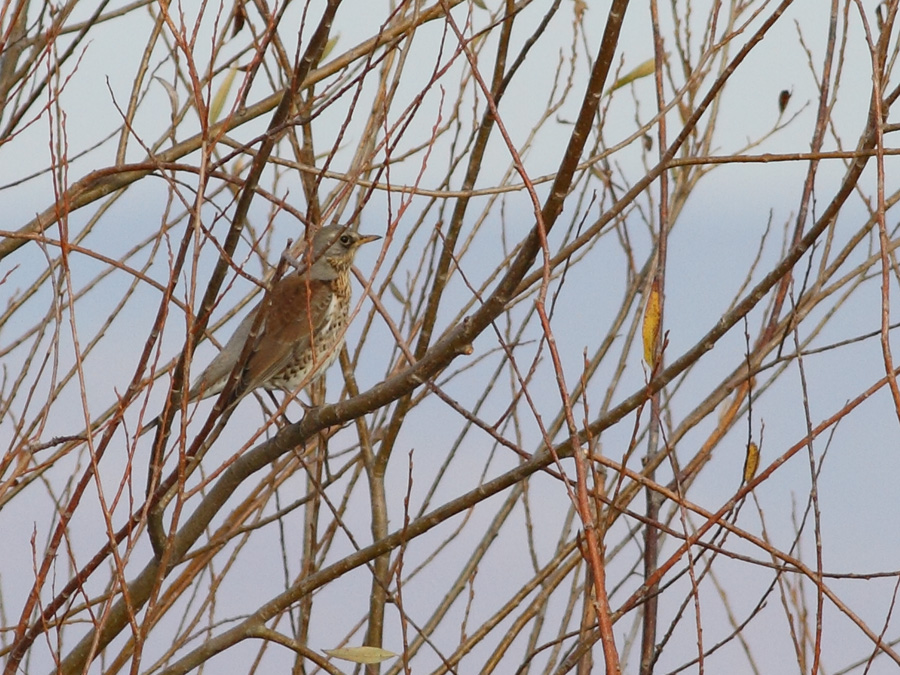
{"type": "Point", "coordinates": [334, 247]}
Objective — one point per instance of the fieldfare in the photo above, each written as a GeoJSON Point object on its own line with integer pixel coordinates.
{"type": "Point", "coordinates": [302, 328]}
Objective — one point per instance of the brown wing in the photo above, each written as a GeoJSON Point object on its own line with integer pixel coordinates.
{"type": "Point", "coordinates": [297, 306]}
{"type": "Point", "coordinates": [212, 380]}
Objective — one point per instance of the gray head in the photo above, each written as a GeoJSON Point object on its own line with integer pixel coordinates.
{"type": "Point", "coordinates": [334, 247]}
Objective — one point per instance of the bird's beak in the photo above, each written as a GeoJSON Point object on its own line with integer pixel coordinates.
{"type": "Point", "coordinates": [366, 238]}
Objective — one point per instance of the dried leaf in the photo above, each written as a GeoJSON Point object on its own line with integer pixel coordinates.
{"type": "Point", "coordinates": [240, 17]}
{"type": "Point", "coordinates": [648, 67]}
{"type": "Point", "coordinates": [783, 99]}
{"type": "Point", "coordinates": [361, 654]}
{"type": "Point", "coordinates": [650, 329]}
{"type": "Point", "coordinates": [751, 462]}
{"type": "Point", "coordinates": [170, 90]}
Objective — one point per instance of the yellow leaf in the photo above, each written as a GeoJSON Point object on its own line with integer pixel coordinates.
{"type": "Point", "coordinates": [398, 296]}
{"type": "Point", "coordinates": [751, 462]}
{"type": "Point", "coordinates": [361, 654]}
{"type": "Point", "coordinates": [221, 94]}
{"type": "Point", "coordinates": [329, 46]}
{"type": "Point", "coordinates": [648, 67]}
{"type": "Point", "coordinates": [650, 329]}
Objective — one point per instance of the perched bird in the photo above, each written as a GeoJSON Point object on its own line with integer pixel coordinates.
{"type": "Point", "coordinates": [303, 324]}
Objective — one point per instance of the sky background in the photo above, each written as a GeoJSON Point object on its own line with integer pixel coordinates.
{"type": "Point", "coordinates": [712, 244]}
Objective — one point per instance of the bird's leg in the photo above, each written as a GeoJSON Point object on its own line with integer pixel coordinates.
{"type": "Point", "coordinates": [284, 420]}
{"type": "Point", "coordinates": [303, 404]}
{"type": "Point", "coordinates": [280, 419]}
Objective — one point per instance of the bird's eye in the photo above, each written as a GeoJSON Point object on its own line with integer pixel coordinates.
{"type": "Point", "coordinates": [346, 239]}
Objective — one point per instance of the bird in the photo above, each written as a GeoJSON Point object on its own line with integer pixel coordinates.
{"type": "Point", "coordinates": [302, 328]}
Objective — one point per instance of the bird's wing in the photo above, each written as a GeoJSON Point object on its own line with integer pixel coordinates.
{"type": "Point", "coordinates": [211, 381]}
{"type": "Point", "coordinates": [297, 306]}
